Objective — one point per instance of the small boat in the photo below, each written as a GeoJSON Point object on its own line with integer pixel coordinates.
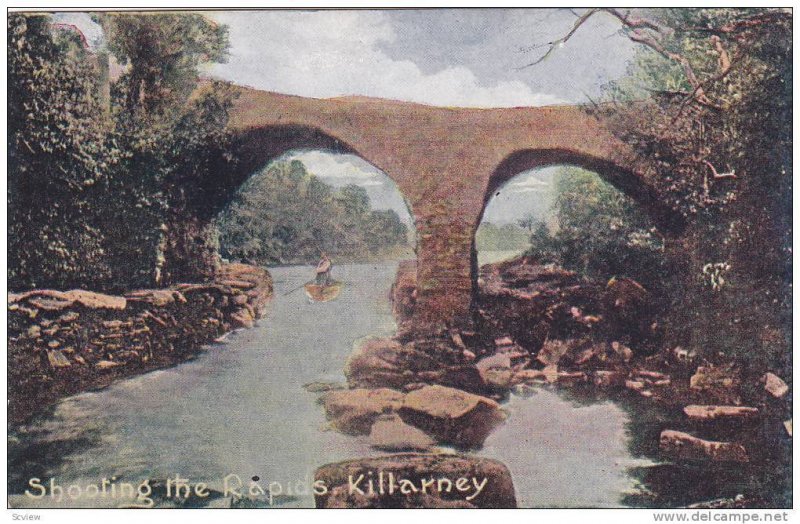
{"type": "Point", "coordinates": [326, 293]}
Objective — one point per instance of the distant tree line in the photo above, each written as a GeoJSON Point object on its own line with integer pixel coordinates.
{"type": "Point", "coordinates": [286, 215]}
{"type": "Point", "coordinates": [501, 237]}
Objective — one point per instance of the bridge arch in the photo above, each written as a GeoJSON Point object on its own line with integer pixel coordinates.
{"type": "Point", "coordinates": [668, 221]}
{"type": "Point", "coordinates": [254, 148]}
{"type": "Point", "coordinates": [624, 178]}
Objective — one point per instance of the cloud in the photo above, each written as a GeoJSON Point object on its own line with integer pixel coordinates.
{"type": "Point", "coordinates": [527, 189]}
{"type": "Point", "coordinates": [531, 182]}
{"type": "Point", "coordinates": [339, 168]}
{"type": "Point", "coordinates": [338, 53]}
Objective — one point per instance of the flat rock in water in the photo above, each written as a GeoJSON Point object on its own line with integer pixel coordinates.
{"type": "Point", "coordinates": [552, 351]}
{"type": "Point", "coordinates": [498, 360]}
{"type": "Point", "coordinates": [503, 342]}
{"type": "Point", "coordinates": [499, 378]}
{"type": "Point", "coordinates": [323, 387]}
{"type": "Point", "coordinates": [236, 283]}
{"type": "Point", "coordinates": [719, 412]}
{"type": "Point", "coordinates": [390, 433]}
{"type": "Point", "coordinates": [52, 300]}
{"type": "Point", "coordinates": [242, 318]}
{"type": "Point", "coordinates": [353, 411]}
{"type": "Point", "coordinates": [416, 480]}
{"type": "Point", "coordinates": [106, 364]}
{"type": "Point", "coordinates": [156, 297]}
{"type": "Point", "coordinates": [451, 415]}
{"type": "Point", "coordinates": [737, 502]}
{"type": "Point", "coordinates": [685, 446]}
{"type": "Point", "coordinates": [56, 359]}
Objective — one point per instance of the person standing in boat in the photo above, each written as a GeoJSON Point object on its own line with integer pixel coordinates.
{"type": "Point", "coordinates": [324, 271]}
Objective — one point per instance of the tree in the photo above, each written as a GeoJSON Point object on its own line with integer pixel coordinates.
{"type": "Point", "coordinates": [164, 51]}
{"type": "Point", "coordinates": [601, 232]}
{"type": "Point", "coordinates": [528, 222]}
{"type": "Point", "coordinates": [286, 215]}
{"type": "Point", "coordinates": [712, 124]}
{"type": "Point", "coordinates": [113, 199]}
{"type": "Point", "coordinates": [174, 133]}
{"type": "Point", "coordinates": [58, 159]}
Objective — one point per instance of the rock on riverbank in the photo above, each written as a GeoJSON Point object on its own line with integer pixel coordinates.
{"type": "Point", "coordinates": [64, 342]}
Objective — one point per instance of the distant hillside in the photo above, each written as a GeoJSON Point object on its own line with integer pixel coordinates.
{"type": "Point", "coordinates": [506, 237]}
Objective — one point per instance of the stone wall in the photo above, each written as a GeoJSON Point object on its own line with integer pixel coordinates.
{"type": "Point", "coordinates": [64, 342]}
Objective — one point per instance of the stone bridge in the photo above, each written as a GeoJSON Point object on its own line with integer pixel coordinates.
{"type": "Point", "coordinates": [447, 163]}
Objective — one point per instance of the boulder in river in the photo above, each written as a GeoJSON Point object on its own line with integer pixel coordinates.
{"type": "Point", "coordinates": [451, 415]}
{"type": "Point", "coordinates": [709, 377]}
{"type": "Point", "coordinates": [496, 370]}
{"type": "Point", "coordinates": [415, 480]}
{"type": "Point", "coordinates": [353, 411]}
{"type": "Point", "coordinates": [384, 362]}
{"type": "Point", "coordinates": [390, 433]}
{"type": "Point", "coordinates": [608, 378]}
{"type": "Point", "coordinates": [685, 446]}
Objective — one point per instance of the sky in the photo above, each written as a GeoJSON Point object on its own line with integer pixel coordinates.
{"type": "Point", "coordinates": [446, 57]}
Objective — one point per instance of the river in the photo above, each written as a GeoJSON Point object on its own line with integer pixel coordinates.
{"type": "Point", "coordinates": [240, 408]}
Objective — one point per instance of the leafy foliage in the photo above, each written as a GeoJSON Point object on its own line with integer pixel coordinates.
{"type": "Point", "coordinates": [724, 161]}
{"type": "Point", "coordinates": [101, 196]}
{"type": "Point", "coordinates": [601, 232]}
{"type": "Point", "coordinates": [164, 51]}
{"type": "Point", "coordinates": [284, 215]}
{"type": "Point", "coordinates": [59, 159]}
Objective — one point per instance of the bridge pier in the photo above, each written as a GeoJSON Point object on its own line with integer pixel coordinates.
{"type": "Point", "coordinates": [444, 273]}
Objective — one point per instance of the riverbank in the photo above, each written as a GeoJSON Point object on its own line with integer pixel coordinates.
{"type": "Point", "coordinates": [544, 327]}
{"type": "Point", "coordinates": [62, 343]}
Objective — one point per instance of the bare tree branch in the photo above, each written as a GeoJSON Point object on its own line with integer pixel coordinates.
{"type": "Point", "coordinates": [561, 41]}
{"type": "Point", "coordinates": [719, 176]}
{"type": "Point", "coordinates": [635, 23]}
{"type": "Point", "coordinates": [650, 34]}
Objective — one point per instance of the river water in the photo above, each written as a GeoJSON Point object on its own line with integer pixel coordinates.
{"type": "Point", "coordinates": [240, 408]}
